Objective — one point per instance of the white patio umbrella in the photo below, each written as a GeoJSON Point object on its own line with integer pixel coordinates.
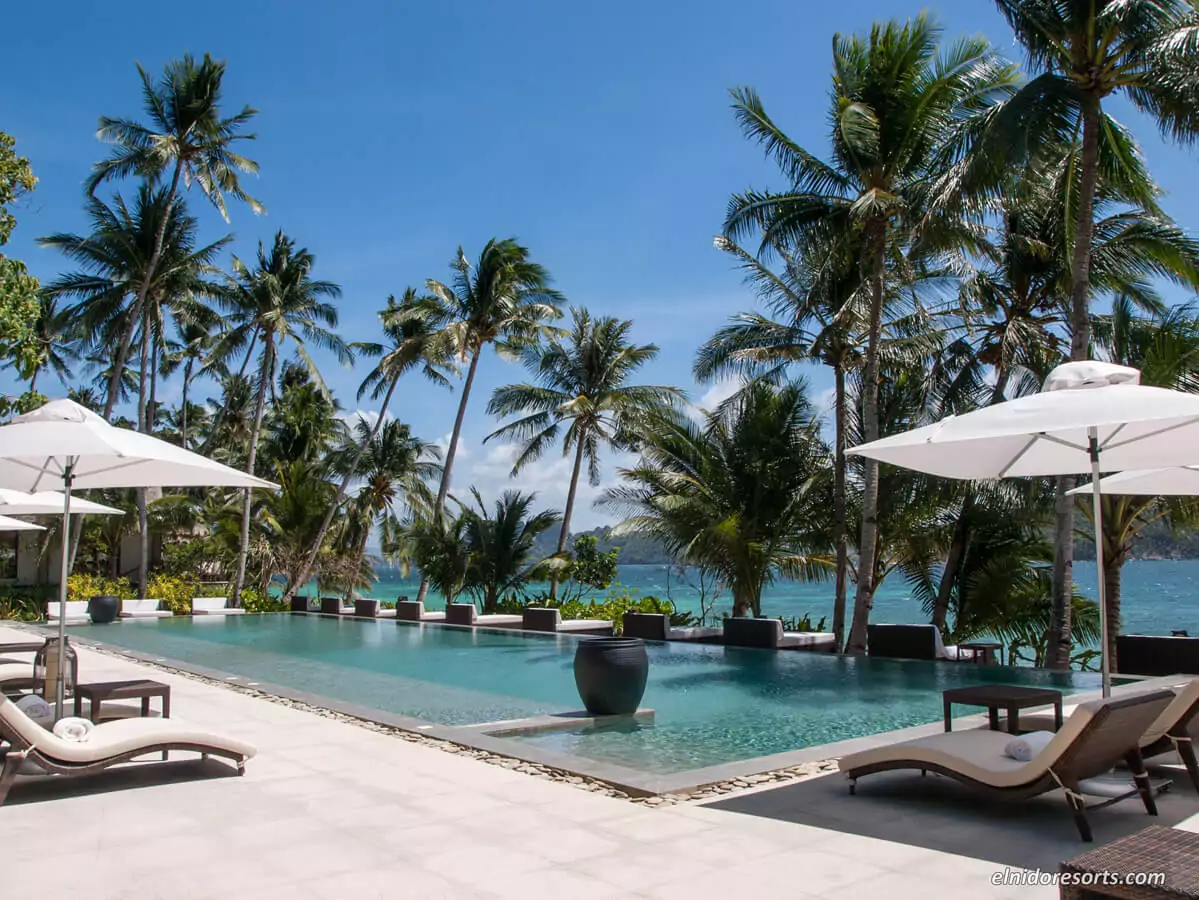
{"type": "Point", "coordinates": [50, 503]}
{"type": "Point", "coordinates": [1090, 417]}
{"type": "Point", "coordinates": [7, 524]}
{"type": "Point", "coordinates": [1173, 481]}
{"type": "Point", "coordinates": [64, 444]}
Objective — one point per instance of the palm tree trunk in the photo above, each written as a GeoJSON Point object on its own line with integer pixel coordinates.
{"type": "Point", "coordinates": [33, 378]}
{"type": "Point", "coordinates": [864, 600]}
{"type": "Point", "coordinates": [1057, 642]}
{"type": "Point", "coordinates": [1113, 569]}
{"type": "Point", "coordinates": [118, 366]}
{"type": "Point", "coordinates": [143, 521]}
{"type": "Point", "coordinates": [450, 452]}
{"type": "Point", "coordinates": [187, 378]}
{"type": "Point", "coordinates": [840, 527]}
{"type": "Point", "coordinates": [570, 507]}
{"type": "Point", "coordinates": [335, 505]}
{"type": "Point", "coordinates": [953, 562]}
{"type": "Point", "coordinates": [265, 376]}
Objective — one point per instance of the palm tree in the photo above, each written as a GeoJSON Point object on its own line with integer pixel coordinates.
{"type": "Point", "coordinates": [414, 340]}
{"type": "Point", "coordinates": [900, 113]}
{"type": "Point", "coordinates": [393, 467]}
{"type": "Point", "coordinates": [742, 494]}
{"type": "Point", "coordinates": [502, 546]}
{"type": "Point", "coordinates": [187, 138]}
{"type": "Point", "coordinates": [583, 384]}
{"type": "Point", "coordinates": [195, 340]}
{"type": "Point", "coordinates": [270, 304]}
{"type": "Point", "coordinates": [503, 299]}
{"type": "Point", "coordinates": [53, 343]}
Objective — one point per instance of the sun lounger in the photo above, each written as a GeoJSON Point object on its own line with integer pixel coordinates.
{"type": "Point", "coordinates": [414, 611]}
{"type": "Point", "coordinates": [144, 609]}
{"type": "Point", "coordinates": [657, 627]}
{"type": "Point", "coordinates": [911, 642]}
{"type": "Point", "coordinates": [76, 612]}
{"type": "Point", "coordinates": [1099, 734]}
{"type": "Point", "coordinates": [214, 606]}
{"type": "Point", "coordinates": [768, 634]}
{"type": "Point", "coordinates": [107, 745]}
{"type": "Point", "coordinates": [466, 614]}
{"type": "Point", "coordinates": [542, 618]}
{"type": "Point", "coordinates": [332, 606]}
{"type": "Point", "coordinates": [16, 676]}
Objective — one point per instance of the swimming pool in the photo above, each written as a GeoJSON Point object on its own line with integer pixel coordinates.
{"type": "Point", "coordinates": [712, 704]}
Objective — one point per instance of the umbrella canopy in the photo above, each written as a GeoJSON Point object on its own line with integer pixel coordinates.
{"type": "Point", "coordinates": [37, 447]}
{"type": "Point", "coordinates": [1175, 481]}
{"type": "Point", "coordinates": [7, 524]}
{"type": "Point", "coordinates": [49, 503]}
{"type": "Point", "coordinates": [1090, 417]}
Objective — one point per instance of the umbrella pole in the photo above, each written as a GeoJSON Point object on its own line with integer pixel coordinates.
{"type": "Point", "coordinates": [68, 477]}
{"type": "Point", "coordinates": [1097, 500]}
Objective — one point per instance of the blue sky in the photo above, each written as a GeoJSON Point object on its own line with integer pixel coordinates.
{"type": "Point", "coordinates": [389, 133]}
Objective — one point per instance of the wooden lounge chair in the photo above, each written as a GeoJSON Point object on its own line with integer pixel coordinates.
{"type": "Point", "coordinates": [466, 614]}
{"type": "Point", "coordinates": [768, 634]}
{"type": "Point", "coordinates": [541, 618]}
{"type": "Point", "coordinates": [109, 744]}
{"type": "Point", "coordinates": [144, 609]}
{"type": "Point", "coordinates": [214, 606]}
{"type": "Point", "coordinates": [1099, 734]}
{"type": "Point", "coordinates": [911, 642]}
{"type": "Point", "coordinates": [657, 627]}
{"type": "Point", "coordinates": [1146, 654]}
{"type": "Point", "coordinates": [332, 606]}
{"type": "Point", "coordinates": [414, 611]}
{"type": "Point", "coordinates": [76, 613]}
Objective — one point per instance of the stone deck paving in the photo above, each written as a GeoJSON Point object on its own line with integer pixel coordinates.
{"type": "Point", "coordinates": [332, 810]}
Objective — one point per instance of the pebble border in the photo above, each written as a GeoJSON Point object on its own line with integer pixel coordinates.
{"type": "Point", "coordinates": [775, 778]}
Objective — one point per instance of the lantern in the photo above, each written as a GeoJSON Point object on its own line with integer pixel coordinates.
{"type": "Point", "coordinates": [46, 669]}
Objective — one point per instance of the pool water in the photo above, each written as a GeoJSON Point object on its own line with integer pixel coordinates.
{"type": "Point", "coordinates": [712, 704]}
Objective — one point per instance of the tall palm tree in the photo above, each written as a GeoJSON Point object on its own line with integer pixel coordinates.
{"type": "Point", "coordinates": [414, 340]}
{"type": "Point", "coordinates": [1086, 51]}
{"type": "Point", "coordinates": [392, 467]}
{"type": "Point", "coordinates": [900, 111]}
{"type": "Point", "coordinates": [194, 341]}
{"type": "Point", "coordinates": [270, 304]}
{"type": "Point", "coordinates": [503, 299]}
{"type": "Point", "coordinates": [742, 495]}
{"type": "Point", "coordinates": [187, 141]}
{"type": "Point", "coordinates": [503, 545]}
{"type": "Point", "coordinates": [582, 383]}
{"type": "Point", "coordinates": [53, 343]}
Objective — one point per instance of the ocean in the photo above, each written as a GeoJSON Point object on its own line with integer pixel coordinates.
{"type": "Point", "coordinates": [1159, 596]}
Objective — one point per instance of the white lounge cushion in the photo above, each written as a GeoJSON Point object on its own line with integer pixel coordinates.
{"type": "Point", "coordinates": [692, 633]}
{"type": "Point", "coordinates": [211, 605]}
{"type": "Point", "coordinates": [143, 609]}
{"type": "Point", "coordinates": [499, 620]}
{"type": "Point", "coordinates": [116, 738]}
{"type": "Point", "coordinates": [76, 611]}
{"type": "Point", "coordinates": [584, 624]}
{"type": "Point", "coordinates": [807, 639]}
{"type": "Point", "coordinates": [218, 612]}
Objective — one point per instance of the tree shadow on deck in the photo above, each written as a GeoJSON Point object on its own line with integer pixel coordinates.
{"type": "Point", "coordinates": [937, 813]}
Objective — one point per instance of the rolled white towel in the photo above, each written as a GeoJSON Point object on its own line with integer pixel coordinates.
{"type": "Point", "coordinates": [37, 709]}
{"type": "Point", "coordinates": [73, 729]}
{"type": "Point", "coordinates": [1025, 747]}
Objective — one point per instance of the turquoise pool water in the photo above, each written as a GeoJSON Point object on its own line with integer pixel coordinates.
{"type": "Point", "coordinates": [713, 704]}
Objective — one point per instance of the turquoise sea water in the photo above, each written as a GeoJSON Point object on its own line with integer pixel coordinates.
{"type": "Point", "coordinates": [1159, 596]}
{"type": "Point", "coordinates": [712, 704]}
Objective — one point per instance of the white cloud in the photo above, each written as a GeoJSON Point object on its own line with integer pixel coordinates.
{"type": "Point", "coordinates": [718, 393]}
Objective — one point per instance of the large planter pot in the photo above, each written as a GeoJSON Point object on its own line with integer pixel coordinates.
{"type": "Point", "coordinates": [104, 609]}
{"type": "Point", "coordinates": [610, 674]}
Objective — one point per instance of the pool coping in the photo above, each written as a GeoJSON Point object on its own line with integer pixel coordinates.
{"type": "Point", "coordinates": [484, 737]}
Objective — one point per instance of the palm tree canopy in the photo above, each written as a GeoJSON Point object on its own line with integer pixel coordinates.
{"type": "Point", "coordinates": [581, 381]}
{"type": "Point", "coordinates": [502, 544]}
{"type": "Point", "coordinates": [412, 326]}
{"type": "Point", "coordinates": [185, 133]}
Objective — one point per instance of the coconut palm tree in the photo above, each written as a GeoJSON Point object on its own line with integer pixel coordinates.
{"type": "Point", "coordinates": [582, 384]}
{"type": "Point", "coordinates": [186, 141]}
{"type": "Point", "coordinates": [743, 494]}
{"type": "Point", "coordinates": [414, 340]}
{"type": "Point", "coordinates": [270, 304]}
{"type": "Point", "coordinates": [194, 341]}
{"type": "Point", "coordinates": [53, 344]}
{"type": "Point", "coordinates": [392, 468]}
{"type": "Point", "coordinates": [502, 546]}
{"type": "Point", "coordinates": [503, 299]}
{"type": "Point", "coordinates": [900, 111]}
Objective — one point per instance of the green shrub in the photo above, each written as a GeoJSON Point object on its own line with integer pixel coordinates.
{"type": "Point", "coordinates": [26, 604]}
{"type": "Point", "coordinates": [174, 592]}
{"type": "Point", "coordinates": [254, 601]}
{"type": "Point", "coordinates": [612, 607]}
{"type": "Point", "coordinates": [803, 623]}
{"type": "Point", "coordinates": [84, 587]}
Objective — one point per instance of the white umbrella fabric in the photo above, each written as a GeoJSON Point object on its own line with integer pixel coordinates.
{"type": "Point", "coordinates": [49, 503]}
{"type": "Point", "coordinates": [1090, 417]}
{"type": "Point", "coordinates": [1174, 481]}
{"type": "Point", "coordinates": [7, 524]}
{"type": "Point", "coordinates": [63, 444]}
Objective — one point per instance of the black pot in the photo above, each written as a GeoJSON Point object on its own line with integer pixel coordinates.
{"type": "Point", "coordinates": [610, 674]}
{"type": "Point", "coordinates": [104, 609]}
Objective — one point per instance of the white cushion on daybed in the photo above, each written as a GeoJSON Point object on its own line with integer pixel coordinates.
{"type": "Point", "coordinates": [143, 609]}
{"type": "Point", "coordinates": [213, 606]}
{"type": "Point", "coordinates": [76, 612]}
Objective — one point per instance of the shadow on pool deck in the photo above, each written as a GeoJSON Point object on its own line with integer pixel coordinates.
{"type": "Point", "coordinates": [937, 813]}
{"type": "Point", "coordinates": [39, 788]}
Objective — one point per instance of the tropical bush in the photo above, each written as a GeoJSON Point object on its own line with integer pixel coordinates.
{"type": "Point", "coordinates": [255, 601]}
{"type": "Point", "coordinates": [612, 607]}
{"type": "Point", "coordinates": [175, 592]}
{"type": "Point", "coordinates": [83, 587]}
{"type": "Point", "coordinates": [25, 604]}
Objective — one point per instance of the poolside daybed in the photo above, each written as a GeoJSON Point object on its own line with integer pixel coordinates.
{"type": "Point", "coordinates": [1099, 734]}
{"type": "Point", "coordinates": [541, 618]}
{"type": "Point", "coordinates": [214, 606]}
{"type": "Point", "coordinates": [657, 627]}
{"type": "Point", "coordinates": [911, 642]}
{"type": "Point", "coordinates": [466, 614]}
{"type": "Point", "coordinates": [332, 606]}
{"type": "Point", "coordinates": [107, 745]}
{"type": "Point", "coordinates": [144, 609]}
{"type": "Point", "coordinates": [1146, 654]}
{"type": "Point", "coordinates": [76, 612]}
{"type": "Point", "coordinates": [414, 611]}
{"type": "Point", "coordinates": [768, 634]}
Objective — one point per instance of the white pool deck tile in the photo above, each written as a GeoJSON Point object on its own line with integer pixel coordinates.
{"type": "Point", "coordinates": [331, 810]}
